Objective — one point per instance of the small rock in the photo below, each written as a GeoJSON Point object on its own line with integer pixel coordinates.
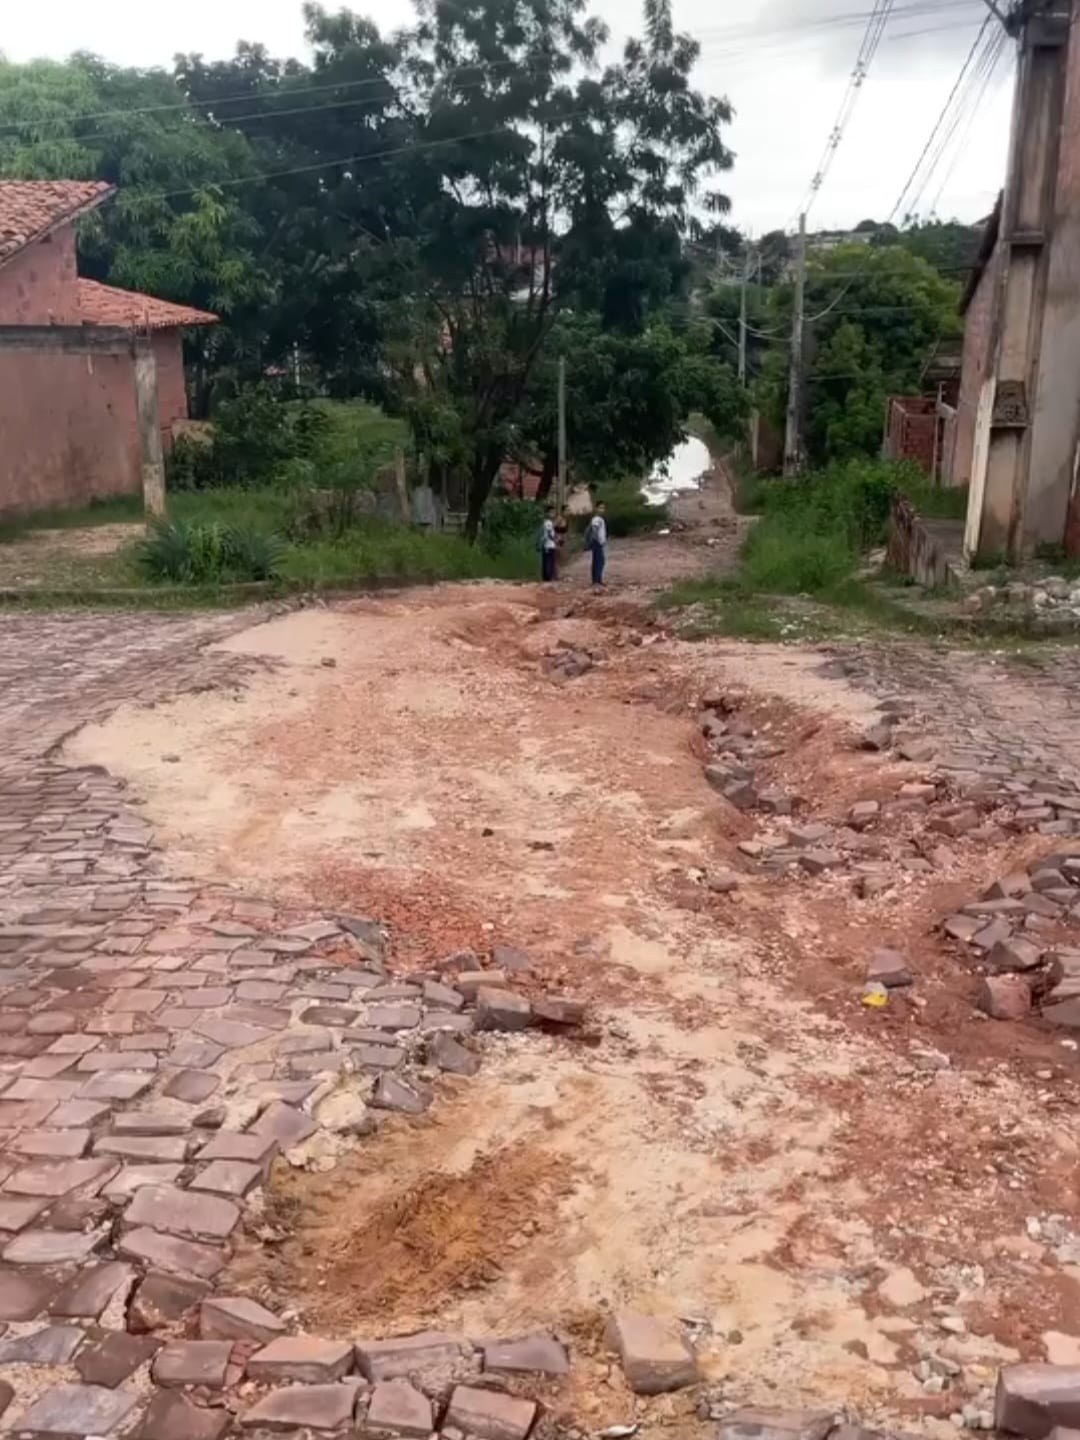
{"type": "Point", "coordinates": [653, 1356]}
{"type": "Point", "coordinates": [498, 1009]}
{"type": "Point", "coordinates": [1004, 997]}
{"type": "Point", "coordinates": [888, 968]}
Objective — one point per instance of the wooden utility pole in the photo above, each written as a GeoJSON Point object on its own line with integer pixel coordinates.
{"type": "Point", "coordinates": [792, 437]}
{"type": "Point", "coordinates": [108, 340]}
{"type": "Point", "coordinates": [561, 498]}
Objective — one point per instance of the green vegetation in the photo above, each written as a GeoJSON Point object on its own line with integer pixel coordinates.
{"type": "Point", "coordinates": [208, 554]}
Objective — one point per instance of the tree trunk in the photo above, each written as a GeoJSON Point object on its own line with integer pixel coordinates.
{"type": "Point", "coordinates": [484, 469]}
{"type": "Point", "coordinates": [547, 476]}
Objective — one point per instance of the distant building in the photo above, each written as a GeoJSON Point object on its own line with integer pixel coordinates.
{"type": "Point", "coordinates": [68, 421]}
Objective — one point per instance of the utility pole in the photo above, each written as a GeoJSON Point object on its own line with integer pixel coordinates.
{"type": "Point", "coordinates": [742, 316]}
{"type": "Point", "coordinates": [562, 434]}
{"type": "Point", "coordinates": [792, 439]}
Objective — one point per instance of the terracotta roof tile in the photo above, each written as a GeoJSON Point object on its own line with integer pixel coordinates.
{"type": "Point", "coordinates": [106, 305]}
{"type": "Point", "coordinates": [31, 208]}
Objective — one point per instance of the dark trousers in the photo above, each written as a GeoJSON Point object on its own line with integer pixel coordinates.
{"type": "Point", "coordinates": [547, 564]}
{"type": "Point", "coordinates": [599, 559]}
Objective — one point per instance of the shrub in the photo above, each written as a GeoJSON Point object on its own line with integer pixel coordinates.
{"type": "Point", "coordinates": [628, 512]}
{"type": "Point", "coordinates": [508, 521]}
{"type": "Point", "coordinates": [206, 554]}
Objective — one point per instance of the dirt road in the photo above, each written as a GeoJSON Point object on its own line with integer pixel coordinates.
{"type": "Point", "coordinates": [866, 1209]}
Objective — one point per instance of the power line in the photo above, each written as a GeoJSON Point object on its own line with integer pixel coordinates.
{"type": "Point", "coordinates": [288, 92]}
{"type": "Point", "coordinates": [935, 130]}
{"type": "Point", "coordinates": [875, 29]}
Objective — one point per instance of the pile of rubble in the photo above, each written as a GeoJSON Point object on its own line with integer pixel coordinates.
{"type": "Point", "coordinates": [1050, 604]}
{"type": "Point", "coordinates": [1009, 928]}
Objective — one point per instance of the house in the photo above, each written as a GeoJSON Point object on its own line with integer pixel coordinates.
{"type": "Point", "coordinates": [68, 431]}
{"type": "Point", "coordinates": [976, 307]}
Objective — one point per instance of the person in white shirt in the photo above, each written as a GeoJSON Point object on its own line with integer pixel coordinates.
{"type": "Point", "coordinates": [548, 545]}
{"type": "Point", "coordinates": [596, 541]}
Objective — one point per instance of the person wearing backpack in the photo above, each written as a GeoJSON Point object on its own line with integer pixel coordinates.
{"type": "Point", "coordinates": [547, 544]}
{"type": "Point", "coordinates": [596, 543]}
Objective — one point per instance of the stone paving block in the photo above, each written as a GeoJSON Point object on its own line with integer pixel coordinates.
{"type": "Point", "coordinates": [52, 1345]}
{"type": "Point", "coordinates": [53, 1022]}
{"type": "Point", "coordinates": [78, 1410]}
{"type": "Point", "coordinates": [150, 1123]}
{"type": "Point", "coordinates": [133, 1177]}
{"type": "Point", "coordinates": [287, 1125]}
{"type": "Point", "coordinates": [328, 1015]}
{"type": "Point", "coordinates": [18, 1114]}
{"type": "Point", "coordinates": [396, 1408]}
{"type": "Point", "coordinates": [48, 1067]}
{"type": "Point", "coordinates": [1014, 954]}
{"type": "Point", "coordinates": [99, 1060]}
{"type": "Point", "coordinates": [230, 1145]}
{"type": "Point", "coordinates": [752, 1423]}
{"type": "Point", "coordinates": [394, 1017]}
{"type": "Point", "coordinates": [308, 1044]}
{"type": "Point", "coordinates": [53, 1144]}
{"type": "Point", "coordinates": [110, 1360]}
{"type": "Point", "coordinates": [1033, 1398]}
{"type": "Point", "coordinates": [443, 997]}
{"type": "Point", "coordinates": [560, 1010]}
{"type": "Point", "coordinates": [302, 1358]}
{"type": "Point", "coordinates": [888, 968]}
{"type": "Point", "coordinates": [393, 1093]}
{"type": "Point", "coordinates": [314, 1407]}
{"type": "Point", "coordinates": [438, 1021]}
{"type": "Point", "coordinates": [498, 1009]}
{"type": "Point", "coordinates": [135, 1002]}
{"type": "Point", "coordinates": [195, 1054]}
{"type": "Point", "coordinates": [172, 1416]}
{"type": "Point", "coordinates": [408, 1355]}
{"type": "Point", "coordinates": [1004, 997]}
{"type": "Point", "coordinates": [172, 1254]}
{"type": "Point", "coordinates": [193, 1362]}
{"type": "Point", "coordinates": [238, 1318]}
{"type": "Point", "coordinates": [489, 1415]}
{"type": "Point", "coordinates": [17, 1214]}
{"type": "Point", "coordinates": [43, 1090]}
{"type": "Point", "coordinates": [25, 1294]}
{"type": "Point", "coordinates": [90, 1290]}
{"type": "Point", "coordinates": [116, 1085]}
{"type": "Point", "coordinates": [51, 1247]}
{"type": "Point", "coordinates": [228, 1177]}
{"type": "Point", "coordinates": [60, 1177]}
{"type": "Point", "coordinates": [232, 1034]}
{"type": "Point", "coordinates": [534, 1354]}
{"type": "Point", "coordinates": [324, 1062]}
{"type": "Point", "coordinates": [654, 1357]}
{"type": "Point", "coordinates": [161, 1301]}
{"type": "Point", "coordinates": [261, 991]}
{"type": "Point", "coordinates": [191, 1086]}
{"type": "Point", "coordinates": [161, 1149]}
{"type": "Point", "coordinates": [272, 1017]}
{"type": "Point", "coordinates": [449, 1055]}
{"type": "Point", "coordinates": [194, 1215]}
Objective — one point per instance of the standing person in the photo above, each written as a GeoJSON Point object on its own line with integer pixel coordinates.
{"type": "Point", "coordinates": [596, 541]}
{"type": "Point", "coordinates": [562, 530]}
{"type": "Point", "coordinates": [547, 545]}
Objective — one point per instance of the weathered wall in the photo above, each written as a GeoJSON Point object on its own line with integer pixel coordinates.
{"type": "Point", "coordinates": [67, 430]}
{"type": "Point", "coordinates": [172, 395]}
{"type": "Point", "coordinates": [925, 550]}
{"type": "Point", "coordinates": [1055, 420]}
{"type": "Point", "coordinates": [909, 434]}
{"type": "Point", "coordinates": [37, 287]}
{"type": "Point", "coordinates": [974, 369]}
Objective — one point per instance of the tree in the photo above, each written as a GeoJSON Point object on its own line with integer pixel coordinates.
{"type": "Point", "coordinates": [628, 397]}
{"type": "Point", "coordinates": [874, 317]}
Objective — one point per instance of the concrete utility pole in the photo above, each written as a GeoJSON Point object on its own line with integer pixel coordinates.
{"type": "Point", "coordinates": [146, 411]}
{"type": "Point", "coordinates": [742, 316]}
{"type": "Point", "coordinates": [561, 497]}
{"type": "Point", "coordinates": [1028, 421]}
{"type": "Point", "coordinates": [792, 438]}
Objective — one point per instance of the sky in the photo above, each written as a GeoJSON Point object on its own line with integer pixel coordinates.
{"type": "Point", "coordinates": [783, 64]}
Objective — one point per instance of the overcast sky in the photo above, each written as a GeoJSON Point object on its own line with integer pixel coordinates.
{"type": "Point", "coordinates": [783, 64]}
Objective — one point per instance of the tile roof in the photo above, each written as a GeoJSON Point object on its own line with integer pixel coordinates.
{"type": "Point", "coordinates": [29, 209]}
{"type": "Point", "coordinates": [106, 305]}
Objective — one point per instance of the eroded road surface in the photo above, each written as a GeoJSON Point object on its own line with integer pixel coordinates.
{"type": "Point", "coordinates": [277, 893]}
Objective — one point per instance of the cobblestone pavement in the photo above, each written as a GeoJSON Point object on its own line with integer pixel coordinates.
{"type": "Point", "coordinates": [159, 1045]}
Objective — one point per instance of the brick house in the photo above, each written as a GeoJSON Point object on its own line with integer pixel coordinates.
{"type": "Point", "coordinates": [67, 422]}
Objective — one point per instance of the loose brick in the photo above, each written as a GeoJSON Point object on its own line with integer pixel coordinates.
{"type": "Point", "coordinates": [654, 1358]}
{"type": "Point", "coordinates": [535, 1354]}
{"type": "Point", "coordinates": [78, 1410]}
{"type": "Point", "coordinates": [409, 1355]}
{"type": "Point", "coordinates": [1032, 1399]}
{"type": "Point", "coordinates": [193, 1362]}
{"type": "Point", "coordinates": [161, 1301]}
{"type": "Point", "coordinates": [174, 1417]}
{"type": "Point", "coordinates": [302, 1357]}
{"type": "Point", "coordinates": [169, 1253]}
{"type": "Point", "coordinates": [490, 1415]}
{"type": "Point", "coordinates": [299, 1407]}
{"type": "Point", "coordinates": [1004, 997]}
{"type": "Point", "coordinates": [90, 1290]}
{"type": "Point", "coordinates": [226, 1318]}
{"type": "Point", "coordinates": [396, 1408]}
{"type": "Point", "coordinates": [190, 1213]}
{"type": "Point", "coordinates": [114, 1357]}
{"type": "Point", "coordinates": [498, 1009]}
